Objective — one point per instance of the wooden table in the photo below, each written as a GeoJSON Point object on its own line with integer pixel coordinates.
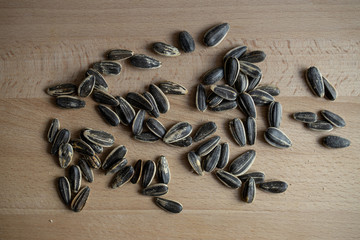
{"type": "Point", "coordinates": [44, 43]}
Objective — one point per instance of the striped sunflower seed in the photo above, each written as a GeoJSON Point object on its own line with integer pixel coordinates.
{"type": "Point", "coordinates": [231, 70]}
{"type": "Point", "coordinates": [79, 201]}
{"type": "Point", "coordinates": [145, 62]}
{"type": "Point", "coordinates": [335, 142]}
{"type": "Point", "coordinates": [100, 83]}
{"type": "Point", "coordinates": [275, 114]}
{"type": "Point", "coordinates": [195, 162]}
{"type": "Point", "coordinates": [237, 130]}
{"type": "Point", "coordinates": [320, 125]}
{"type": "Point", "coordinates": [107, 67]}
{"type": "Point", "coordinates": [333, 118]}
{"type": "Point", "coordinates": [65, 155]}
{"type": "Point", "coordinates": [169, 205]}
{"type": "Point", "coordinates": [156, 127]}
{"type": "Point", "coordinates": [99, 137]}
{"type": "Point", "coordinates": [228, 179]}
{"type": "Point", "coordinates": [261, 98]}
{"type": "Point", "coordinates": [249, 190]}
{"type": "Point", "coordinates": [213, 100]}
{"type": "Point", "coordinates": [251, 130]}
{"type": "Point", "coordinates": [148, 137]}
{"type": "Point", "coordinates": [117, 166]}
{"type": "Point", "coordinates": [157, 189]}
{"type": "Point", "coordinates": [160, 98]}
{"type": "Point", "coordinates": [177, 132]}
{"type": "Point", "coordinates": [246, 104]}
{"type": "Point", "coordinates": [185, 142]}
{"type": "Point", "coordinates": [315, 81]}
{"type": "Point", "coordinates": [165, 49]}
{"type": "Point", "coordinates": [186, 42]}
{"type": "Point", "coordinates": [155, 111]}
{"type": "Point", "coordinates": [109, 115]}
{"type": "Point", "coordinates": [97, 149]}
{"type": "Point", "coordinates": [224, 91]}
{"type": "Point", "coordinates": [69, 102]}
{"type": "Point", "coordinates": [204, 131]}
{"type": "Point", "coordinates": [137, 125]}
{"type": "Point", "coordinates": [86, 171]}
{"type": "Point", "coordinates": [224, 106]}
{"type": "Point", "coordinates": [75, 178]}
{"type": "Point", "coordinates": [92, 161]}
{"type": "Point", "coordinates": [253, 56]}
{"type": "Point", "coordinates": [236, 52]}
{"type": "Point", "coordinates": [258, 177]}
{"type": "Point", "coordinates": [274, 186]}
{"type": "Point", "coordinates": [242, 163]}
{"type": "Point", "coordinates": [306, 117]}
{"type": "Point", "coordinates": [201, 98]}
{"type": "Point", "coordinates": [137, 171]}
{"type": "Point", "coordinates": [213, 75]}
{"type": "Point", "coordinates": [104, 98]}
{"type": "Point", "coordinates": [86, 87]}
{"type": "Point", "coordinates": [169, 87]}
{"type": "Point", "coordinates": [82, 147]}
{"type": "Point", "coordinates": [224, 156]}
{"type": "Point", "coordinates": [242, 83]}
{"type": "Point", "coordinates": [122, 177]}
{"type": "Point", "coordinates": [125, 111]}
{"type": "Point", "coordinates": [272, 90]}
{"type": "Point", "coordinates": [216, 34]}
{"type": "Point", "coordinates": [253, 82]}
{"type": "Point", "coordinates": [212, 159]}
{"type": "Point", "coordinates": [148, 172]}
{"type": "Point", "coordinates": [330, 91]}
{"type": "Point", "coordinates": [250, 69]}
{"type": "Point", "coordinates": [163, 170]}
{"type": "Point", "coordinates": [64, 189]}
{"type": "Point", "coordinates": [119, 54]}
{"type": "Point", "coordinates": [276, 138]}
{"type": "Point", "coordinates": [205, 148]}
{"type": "Point", "coordinates": [53, 130]}
{"type": "Point", "coordinates": [62, 89]}
{"type": "Point", "coordinates": [114, 156]}
{"type": "Point", "coordinates": [62, 136]}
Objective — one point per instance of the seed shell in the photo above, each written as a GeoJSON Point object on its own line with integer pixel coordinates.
{"type": "Point", "coordinates": [216, 34]}
{"type": "Point", "coordinates": [251, 130]}
{"type": "Point", "coordinates": [62, 89]}
{"type": "Point", "coordinates": [272, 90]}
{"type": "Point", "coordinates": [177, 132]}
{"type": "Point", "coordinates": [82, 147]}
{"type": "Point", "coordinates": [156, 127]}
{"type": "Point", "coordinates": [315, 81]}
{"type": "Point", "coordinates": [62, 136]}
{"type": "Point", "coordinates": [104, 97]}
{"type": "Point", "coordinates": [163, 170]}
{"type": "Point", "coordinates": [185, 142]}
{"type": "Point", "coordinates": [224, 106]}
{"type": "Point", "coordinates": [100, 83]}
{"type": "Point", "coordinates": [201, 98]}
{"type": "Point", "coordinates": [333, 118]}
{"type": "Point", "coordinates": [258, 177]}
{"type": "Point", "coordinates": [224, 91]}
{"type": "Point", "coordinates": [92, 161]}
{"type": "Point", "coordinates": [79, 201]}
{"type": "Point", "coordinates": [261, 98]}
{"type": "Point", "coordinates": [148, 137]}
{"type": "Point", "coordinates": [157, 189]}
{"type": "Point", "coordinates": [276, 138]}
{"type": "Point", "coordinates": [253, 56]}
{"type": "Point", "coordinates": [145, 62]}
{"type": "Point", "coordinates": [117, 166]}
{"type": "Point", "coordinates": [169, 205]}
{"type": "Point", "coordinates": [155, 111]}
{"type": "Point", "coordinates": [231, 70]}
{"type": "Point", "coordinates": [97, 149]}
{"type": "Point", "coordinates": [99, 137]}
{"type": "Point", "coordinates": [109, 115]}
{"type": "Point", "coordinates": [69, 102]}
{"type": "Point", "coordinates": [107, 67]}
{"type": "Point", "coordinates": [65, 155]}
{"type": "Point", "coordinates": [195, 162]}
{"type": "Point", "coordinates": [228, 179]}
{"type": "Point", "coordinates": [320, 125]}
{"type": "Point", "coordinates": [237, 130]}
{"type": "Point", "coordinates": [148, 173]}
{"type": "Point", "coordinates": [246, 104]}
{"type": "Point", "coordinates": [165, 49]}
{"type": "Point", "coordinates": [64, 189]}
{"type": "Point", "coordinates": [122, 177]}
{"type": "Point", "coordinates": [119, 54]}
{"type": "Point", "coordinates": [204, 131]}
{"type": "Point", "coordinates": [213, 100]}
{"type": "Point", "coordinates": [336, 142]}
{"type": "Point", "coordinates": [212, 159]}
{"type": "Point", "coordinates": [242, 163]}
{"type": "Point", "coordinates": [250, 69]}
{"type": "Point", "coordinates": [114, 156]}
{"type": "Point", "coordinates": [224, 156]}
{"type": "Point", "coordinates": [75, 178]}
{"type": "Point", "coordinates": [274, 186]}
{"type": "Point", "coordinates": [53, 130]}
{"type": "Point", "coordinates": [253, 82]}
{"type": "Point", "coordinates": [137, 171]}
{"type": "Point", "coordinates": [169, 87]}
{"type": "Point", "coordinates": [186, 42]}
{"type": "Point", "coordinates": [160, 98]}
{"type": "Point", "coordinates": [86, 87]}
{"type": "Point", "coordinates": [275, 114]}
{"type": "Point", "coordinates": [86, 171]}
{"type": "Point", "coordinates": [330, 91]}
{"type": "Point", "coordinates": [205, 148]}
{"type": "Point", "coordinates": [125, 111]}
{"type": "Point", "coordinates": [249, 190]}
{"type": "Point", "coordinates": [242, 83]}
{"type": "Point", "coordinates": [306, 117]}
{"type": "Point", "coordinates": [236, 52]}
{"type": "Point", "coordinates": [137, 125]}
{"type": "Point", "coordinates": [213, 75]}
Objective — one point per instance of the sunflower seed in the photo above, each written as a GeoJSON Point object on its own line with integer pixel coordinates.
{"type": "Point", "coordinates": [117, 166]}
{"type": "Point", "coordinates": [246, 104]}
{"type": "Point", "coordinates": [147, 137]}
{"type": "Point", "coordinates": [107, 67]}
{"type": "Point", "coordinates": [64, 189]}
{"type": "Point", "coordinates": [237, 130]}
{"type": "Point", "coordinates": [204, 131]}
{"type": "Point", "coordinates": [122, 177]}
{"type": "Point", "coordinates": [65, 155]}
{"type": "Point", "coordinates": [330, 91]}
{"type": "Point", "coordinates": [276, 138]}
{"type": "Point", "coordinates": [333, 118]}
{"type": "Point", "coordinates": [253, 56]}
{"type": "Point", "coordinates": [261, 98]}
{"type": "Point", "coordinates": [242, 163]}
{"type": "Point", "coordinates": [205, 148]}
{"type": "Point", "coordinates": [97, 149]}
{"type": "Point", "coordinates": [315, 81]}
{"type": "Point", "coordinates": [224, 91]}
{"type": "Point", "coordinates": [248, 191]}
{"type": "Point", "coordinates": [212, 159]}
{"type": "Point", "coordinates": [177, 132]}
{"type": "Point", "coordinates": [163, 170]}
{"type": "Point", "coordinates": [125, 111]}
{"type": "Point", "coordinates": [75, 178]}
{"type": "Point", "coordinates": [137, 125]}
{"type": "Point", "coordinates": [156, 127]}
{"type": "Point", "coordinates": [236, 52]}
{"type": "Point", "coordinates": [216, 34]}
{"type": "Point", "coordinates": [160, 98]}
{"type": "Point", "coordinates": [86, 171]}
{"type": "Point", "coordinates": [186, 42]}
{"type": "Point", "coordinates": [250, 69]}
{"type": "Point", "coordinates": [335, 142]}
{"type": "Point", "coordinates": [62, 136]}
{"type": "Point", "coordinates": [92, 161]}
{"type": "Point", "coordinates": [272, 90]}
{"type": "Point", "coordinates": [224, 106]}
{"type": "Point", "coordinates": [165, 49]}
{"type": "Point", "coordinates": [137, 171]}
{"type": "Point", "coordinates": [100, 83]}
{"type": "Point", "coordinates": [306, 117]}
{"type": "Point", "coordinates": [195, 162]}
{"type": "Point", "coordinates": [224, 156]}
{"type": "Point", "coordinates": [79, 201]}
{"type": "Point", "coordinates": [213, 100]}
{"type": "Point", "coordinates": [82, 147]}
{"type": "Point", "coordinates": [69, 102]}
{"type": "Point", "coordinates": [228, 179]}
{"type": "Point", "coordinates": [99, 137]}
{"type": "Point", "coordinates": [115, 155]}
{"type": "Point", "coordinates": [62, 89]}
{"type": "Point", "coordinates": [213, 75]}
{"type": "Point", "coordinates": [250, 129]}
{"type": "Point", "coordinates": [157, 189]}
{"type": "Point", "coordinates": [104, 98]}
{"type": "Point", "coordinates": [253, 82]}
{"type": "Point", "coordinates": [258, 177]}
{"type": "Point", "coordinates": [169, 205]}
{"type": "Point", "coordinates": [119, 54]}
{"type": "Point", "coordinates": [275, 114]}
{"type": "Point", "coordinates": [148, 172]}
{"type": "Point", "coordinates": [109, 115]}
{"type": "Point", "coordinates": [143, 61]}
{"type": "Point", "coordinates": [231, 70]}
{"type": "Point", "coordinates": [53, 130]}
{"type": "Point", "coordinates": [274, 186]}
{"type": "Point", "coordinates": [155, 111]}
{"type": "Point", "coordinates": [201, 98]}
{"type": "Point", "coordinates": [242, 83]}
{"type": "Point", "coordinates": [320, 125]}
{"type": "Point", "coordinates": [185, 142]}
{"type": "Point", "coordinates": [169, 87]}
{"type": "Point", "coordinates": [86, 87]}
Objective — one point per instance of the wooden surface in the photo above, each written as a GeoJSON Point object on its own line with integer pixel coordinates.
{"type": "Point", "coordinates": [43, 43]}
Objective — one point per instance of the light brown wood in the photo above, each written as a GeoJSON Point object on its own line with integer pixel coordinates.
{"type": "Point", "coordinates": [43, 43]}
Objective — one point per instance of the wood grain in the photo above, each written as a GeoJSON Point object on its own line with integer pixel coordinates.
{"type": "Point", "coordinates": [43, 43]}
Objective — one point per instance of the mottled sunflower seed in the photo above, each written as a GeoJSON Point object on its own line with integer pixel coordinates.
{"type": "Point", "coordinates": [115, 155]}
{"type": "Point", "coordinates": [64, 189]}
{"type": "Point", "coordinates": [99, 137]}
{"type": "Point", "coordinates": [65, 155]}
{"type": "Point", "coordinates": [204, 131]}
{"type": "Point", "coordinates": [213, 100]}
{"type": "Point", "coordinates": [276, 138]}
{"type": "Point", "coordinates": [224, 106]}
{"type": "Point", "coordinates": [224, 91]}
{"type": "Point", "coordinates": [275, 114]}
{"type": "Point", "coordinates": [330, 91]}
{"type": "Point", "coordinates": [251, 131]}
{"type": "Point", "coordinates": [242, 83]}
{"type": "Point", "coordinates": [104, 98]}
{"type": "Point", "coordinates": [212, 159]}
{"type": "Point", "coordinates": [93, 161]}
{"type": "Point", "coordinates": [258, 177]}
{"type": "Point", "coordinates": [216, 34]}
{"type": "Point", "coordinates": [237, 130]}
{"type": "Point", "coordinates": [75, 178]}
{"type": "Point", "coordinates": [272, 90]}
{"type": "Point", "coordinates": [261, 98]}
{"type": "Point", "coordinates": [228, 179]}
{"type": "Point", "coordinates": [86, 87]}
{"type": "Point", "coordinates": [169, 205]}
{"type": "Point", "coordinates": [137, 125]}
{"type": "Point", "coordinates": [107, 67]}
{"type": "Point", "coordinates": [148, 172]}
{"type": "Point", "coordinates": [79, 201]}
{"type": "Point", "coordinates": [137, 171]}
{"type": "Point", "coordinates": [169, 87]}
{"type": "Point", "coordinates": [250, 69]}
{"type": "Point", "coordinates": [119, 54]}
{"type": "Point", "coordinates": [122, 177]}
{"type": "Point", "coordinates": [148, 137]}
{"type": "Point", "coordinates": [315, 81]}
{"type": "Point", "coordinates": [186, 42]}
{"type": "Point", "coordinates": [246, 104]}
{"type": "Point", "coordinates": [97, 149]}
{"type": "Point", "coordinates": [62, 136]}
{"type": "Point", "coordinates": [160, 98]}
{"type": "Point", "coordinates": [143, 61]}
{"type": "Point", "coordinates": [100, 83]}
{"type": "Point", "coordinates": [249, 190]}
{"type": "Point", "coordinates": [236, 52]}
{"type": "Point", "coordinates": [195, 162]}
{"type": "Point", "coordinates": [253, 56]}
{"type": "Point", "coordinates": [333, 118]}
{"type": "Point", "coordinates": [53, 130]}
{"type": "Point", "coordinates": [320, 125]}
{"type": "Point", "coordinates": [177, 132]}
{"type": "Point", "coordinates": [62, 89]}
{"type": "Point", "coordinates": [165, 49]}
{"type": "Point", "coordinates": [335, 142]}
{"type": "Point", "coordinates": [306, 117]}
{"type": "Point", "coordinates": [185, 142]}
{"type": "Point", "coordinates": [117, 166]}
{"type": "Point", "coordinates": [109, 115]}
{"type": "Point", "coordinates": [253, 82]}
{"type": "Point", "coordinates": [205, 148]}
{"type": "Point", "coordinates": [213, 75]}
{"type": "Point", "coordinates": [224, 156]}
{"type": "Point", "coordinates": [157, 189]}
{"type": "Point", "coordinates": [274, 186]}
{"type": "Point", "coordinates": [163, 170]}
{"type": "Point", "coordinates": [242, 163]}
{"type": "Point", "coordinates": [125, 111]}
{"type": "Point", "coordinates": [86, 171]}
{"type": "Point", "coordinates": [231, 70]}
{"type": "Point", "coordinates": [155, 111]}
{"type": "Point", "coordinates": [156, 127]}
{"type": "Point", "coordinates": [201, 98]}
{"type": "Point", "coordinates": [69, 102]}
{"type": "Point", "coordinates": [82, 147]}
